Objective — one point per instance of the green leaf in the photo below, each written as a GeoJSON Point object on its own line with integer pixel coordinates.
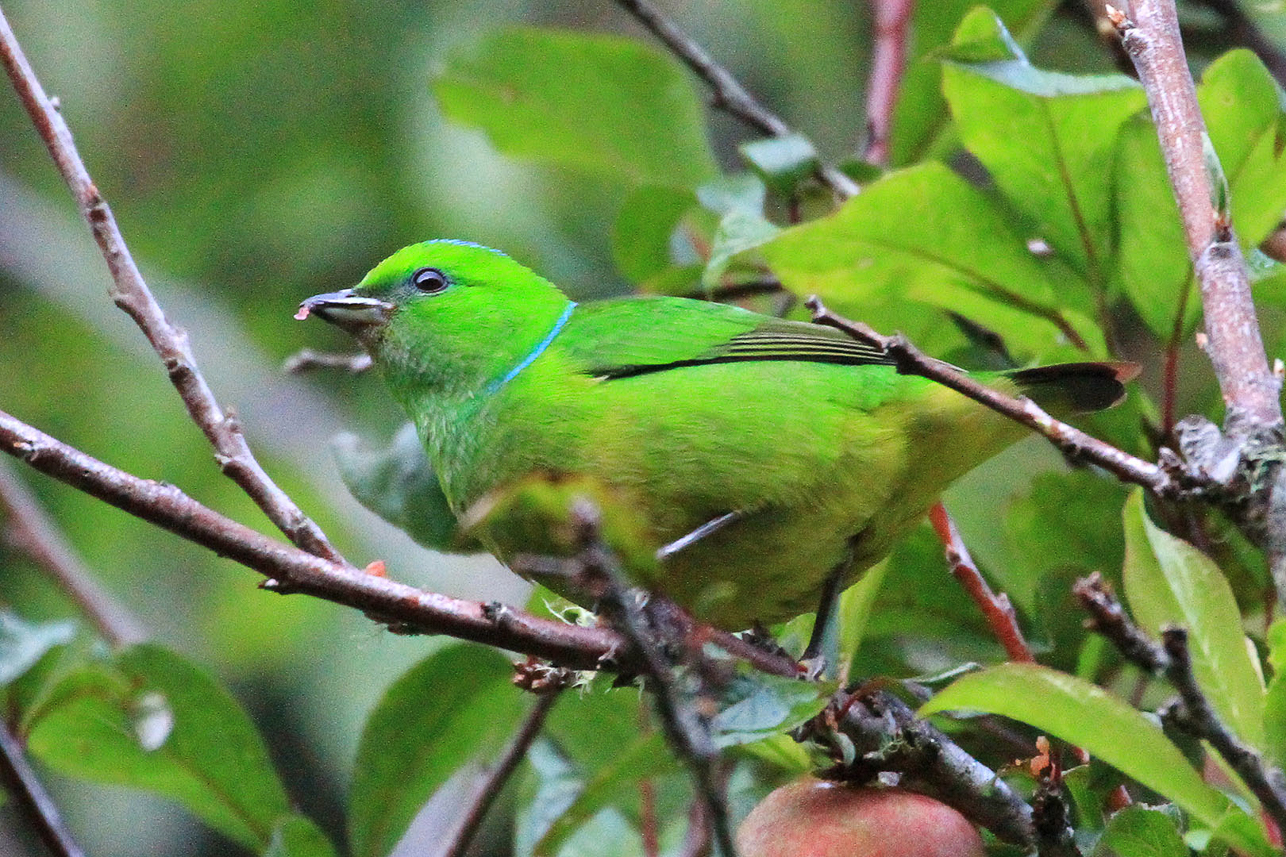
{"type": "Point", "coordinates": [925, 234]}
{"type": "Point", "coordinates": [1089, 717]}
{"type": "Point", "coordinates": [398, 484]}
{"type": "Point", "coordinates": [604, 104]}
{"type": "Point", "coordinates": [1137, 831]}
{"type": "Point", "coordinates": [920, 117]}
{"type": "Point", "coordinates": [645, 756]}
{"type": "Point", "coordinates": [782, 162]}
{"type": "Point", "coordinates": [552, 788]}
{"type": "Point", "coordinates": [24, 643]}
{"type": "Point", "coordinates": [855, 611]}
{"type": "Point", "coordinates": [297, 836]}
{"type": "Point", "coordinates": [152, 720]}
{"type": "Point", "coordinates": [1170, 582]}
{"type": "Point", "coordinates": [1046, 138]}
{"type": "Point", "coordinates": [739, 200]}
{"type": "Point", "coordinates": [454, 707]}
{"type": "Point", "coordinates": [643, 232]}
{"type": "Point", "coordinates": [756, 706]}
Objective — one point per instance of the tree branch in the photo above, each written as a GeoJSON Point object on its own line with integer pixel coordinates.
{"type": "Point", "coordinates": [996, 609]}
{"type": "Point", "coordinates": [33, 532]}
{"type": "Point", "coordinates": [888, 62]}
{"type": "Point", "coordinates": [1072, 441]}
{"type": "Point", "coordinates": [490, 785]}
{"type": "Point", "coordinates": [729, 95]}
{"type": "Point", "coordinates": [1197, 717]}
{"type": "Point", "coordinates": [25, 787]}
{"type": "Point", "coordinates": [882, 734]}
{"type": "Point", "coordinates": [131, 293]}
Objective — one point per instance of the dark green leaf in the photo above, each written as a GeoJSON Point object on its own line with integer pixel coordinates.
{"type": "Point", "coordinates": [454, 707]}
{"type": "Point", "coordinates": [782, 162]}
{"type": "Point", "coordinates": [1137, 831]}
{"type": "Point", "coordinates": [1089, 717]}
{"type": "Point", "coordinates": [152, 720]}
{"type": "Point", "coordinates": [604, 104]}
{"type": "Point", "coordinates": [297, 836]}
{"type": "Point", "coordinates": [1170, 582]}
{"type": "Point", "coordinates": [550, 791]}
{"type": "Point", "coordinates": [924, 234]}
{"type": "Point", "coordinates": [398, 484]}
{"type": "Point", "coordinates": [24, 643]}
{"type": "Point", "coordinates": [1046, 138]}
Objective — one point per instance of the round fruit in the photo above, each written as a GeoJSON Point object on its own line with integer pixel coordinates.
{"type": "Point", "coordinates": [816, 818]}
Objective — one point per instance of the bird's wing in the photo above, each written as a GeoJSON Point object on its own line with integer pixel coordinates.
{"type": "Point", "coordinates": [638, 336]}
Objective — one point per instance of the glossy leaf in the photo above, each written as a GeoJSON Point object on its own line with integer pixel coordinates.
{"type": "Point", "coordinates": [1089, 717]}
{"type": "Point", "coordinates": [1170, 582]}
{"type": "Point", "coordinates": [757, 706]}
{"type": "Point", "coordinates": [23, 643]}
{"type": "Point", "coordinates": [454, 707]}
{"type": "Point", "coordinates": [398, 484]}
{"type": "Point", "coordinates": [152, 720]}
{"type": "Point", "coordinates": [604, 104]}
{"type": "Point", "coordinates": [643, 232]}
{"type": "Point", "coordinates": [1046, 138]}
{"type": "Point", "coordinates": [926, 235]}
{"type": "Point", "coordinates": [782, 162]}
{"type": "Point", "coordinates": [1137, 831]}
{"type": "Point", "coordinates": [548, 793]}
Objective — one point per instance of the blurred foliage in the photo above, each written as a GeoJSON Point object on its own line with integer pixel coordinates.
{"type": "Point", "coordinates": [275, 150]}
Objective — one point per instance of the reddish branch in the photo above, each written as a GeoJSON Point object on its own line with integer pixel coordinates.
{"type": "Point", "coordinates": [888, 62]}
{"type": "Point", "coordinates": [131, 294]}
{"type": "Point", "coordinates": [32, 531]}
{"type": "Point", "coordinates": [996, 609]}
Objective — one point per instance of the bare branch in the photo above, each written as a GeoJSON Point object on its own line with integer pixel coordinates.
{"type": "Point", "coordinates": [1173, 660]}
{"type": "Point", "coordinates": [25, 787]}
{"type": "Point", "coordinates": [882, 734]}
{"type": "Point", "coordinates": [33, 532]}
{"type": "Point", "coordinates": [307, 360]}
{"type": "Point", "coordinates": [888, 62]}
{"type": "Point", "coordinates": [131, 293]}
{"type": "Point", "coordinates": [729, 95]}
{"type": "Point", "coordinates": [490, 786]}
{"type": "Point", "coordinates": [1072, 441]}
{"type": "Point", "coordinates": [996, 609]}
{"type": "Point", "coordinates": [1234, 345]}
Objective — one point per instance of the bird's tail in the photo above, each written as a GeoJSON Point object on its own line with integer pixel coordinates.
{"type": "Point", "coordinates": [1075, 388]}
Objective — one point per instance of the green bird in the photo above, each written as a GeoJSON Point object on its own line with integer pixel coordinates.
{"type": "Point", "coordinates": [767, 462]}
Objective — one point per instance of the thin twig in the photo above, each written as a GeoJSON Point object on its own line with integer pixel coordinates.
{"type": "Point", "coordinates": [1072, 441]}
{"type": "Point", "coordinates": [880, 733]}
{"type": "Point", "coordinates": [1173, 660]}
{"type": "Point", "coordinates": [996, 609]}
{"type": "Point", "coordinates": [491, 785]}
{"type": "Point", "coordinates": [888, 62]}
{"type": "Point", "coordinates": [729, 95]}
{"type": "Point", "coordinates": [307, 360]}
{"type": "Point", "coordinates": [290, 569]}
{"type": "Point", "coordinates": [131, 293]}
{"type": "Point", "coordinates": [24, 786]}
{"type": "Point", "coordinates": [596, 572]}
{"type": "Point", "coordinates": [33, 532]}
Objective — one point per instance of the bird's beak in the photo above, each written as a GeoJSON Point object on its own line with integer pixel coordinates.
{"type": "Point", "coordinates": [346, 309]}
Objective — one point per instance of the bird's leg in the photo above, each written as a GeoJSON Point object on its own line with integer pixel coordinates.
{"type": "Point", "coordinates": [707, 529]}
{"type": "Point", "coordinates": [825, 622]}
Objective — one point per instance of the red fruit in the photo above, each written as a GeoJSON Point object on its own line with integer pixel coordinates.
{"type": "Point", "coordinates": [816, 818]}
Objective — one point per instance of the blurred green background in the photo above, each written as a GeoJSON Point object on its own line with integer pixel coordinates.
{"type": "Point", "coordinates": [256, 153]}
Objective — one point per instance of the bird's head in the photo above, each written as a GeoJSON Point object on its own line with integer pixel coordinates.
{"type": "Point", "coordinates": [443, 313]}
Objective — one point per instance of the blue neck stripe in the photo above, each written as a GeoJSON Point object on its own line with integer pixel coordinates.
{"type": "Point", "coordinates": [537, 351]}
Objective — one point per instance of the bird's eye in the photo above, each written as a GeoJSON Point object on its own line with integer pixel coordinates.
{"type": "Point", "coordinates": [429, 280]}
